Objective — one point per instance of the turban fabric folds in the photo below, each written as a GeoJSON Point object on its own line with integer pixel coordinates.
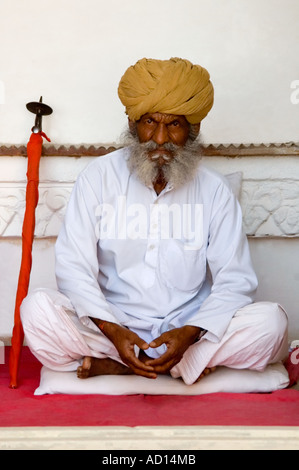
{"type": "Point", "coordinates": [174, 86]}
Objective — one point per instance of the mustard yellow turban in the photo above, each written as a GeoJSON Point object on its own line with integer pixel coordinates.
{"type": "Point", "coordinates": [172, 86]}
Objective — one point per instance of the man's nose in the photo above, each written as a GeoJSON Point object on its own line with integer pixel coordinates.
{"type": "Point", "coordinates": [161, 134]}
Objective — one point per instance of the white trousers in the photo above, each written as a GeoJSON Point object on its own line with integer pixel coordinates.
{"type": "Point", "coordinates": [257, 336]}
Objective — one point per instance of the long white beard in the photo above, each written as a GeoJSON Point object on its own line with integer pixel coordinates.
{"type": "Point", "coordinates": [178, 171]}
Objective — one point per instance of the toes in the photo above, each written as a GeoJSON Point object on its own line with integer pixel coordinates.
{"type": "Point", "coordinates": [206, 372]}
{"type": "Point", "coordinates": [84, 370]}
{"type": "Point", "coordinates": [82, 373]}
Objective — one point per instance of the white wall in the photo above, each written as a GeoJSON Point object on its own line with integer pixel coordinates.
{"type": "Point", "coordinates": [74, 52]}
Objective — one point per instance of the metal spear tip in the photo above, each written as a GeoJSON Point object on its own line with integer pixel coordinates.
{"type": "Point", "coordinates": [39, 109]}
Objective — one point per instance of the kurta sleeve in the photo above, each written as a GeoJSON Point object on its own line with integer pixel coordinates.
{"type": "Point", "coordinates": [233, 279]}
{"type": "Point", "coordinates": [77, 265]}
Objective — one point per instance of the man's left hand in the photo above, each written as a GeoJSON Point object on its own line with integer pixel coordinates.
{"type": "Point", "coordinates": [177, 342]}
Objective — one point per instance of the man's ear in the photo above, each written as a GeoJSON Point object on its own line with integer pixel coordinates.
{"type": "Point", "coordinates": [194, 130]}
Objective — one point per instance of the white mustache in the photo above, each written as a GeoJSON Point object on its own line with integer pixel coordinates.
{"type": "Point", "coordinates": [165, 157]}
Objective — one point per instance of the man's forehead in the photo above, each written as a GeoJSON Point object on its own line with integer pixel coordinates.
{"type": "Point", "coordinates": [163, 117]}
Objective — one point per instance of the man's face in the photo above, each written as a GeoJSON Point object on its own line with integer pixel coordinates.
{"type": "Point", "coordinates": [164, 146]}
{"type": "Point", "coordinates": [162, 129]}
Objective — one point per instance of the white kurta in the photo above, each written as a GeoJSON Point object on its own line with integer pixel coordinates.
{"type": "Point", "coordinates": [127, 255]}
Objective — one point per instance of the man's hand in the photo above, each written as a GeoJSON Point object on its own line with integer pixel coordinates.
{"type": "Point", "coordinates": [124, 340]}
{"type": "Point", "coordinates": [177, 342]}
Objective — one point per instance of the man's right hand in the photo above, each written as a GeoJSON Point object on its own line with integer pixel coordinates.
{"type": "Point", "coordinates": [124, 340]}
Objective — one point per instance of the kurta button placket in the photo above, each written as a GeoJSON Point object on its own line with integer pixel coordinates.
{"type": "Point", "coordinates": [151, 256]}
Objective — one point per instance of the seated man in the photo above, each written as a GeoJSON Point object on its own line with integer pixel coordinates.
{"type": "Point", "coordinates": [153, 269]}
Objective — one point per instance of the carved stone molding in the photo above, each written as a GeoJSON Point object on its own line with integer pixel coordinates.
{"type": "Point", "coordinates": [253, 150]}
{"type": "Point", "coordinates": [58, 151]}
{"type": "Point", "coordinates": [270, 208]}
{"type": "Point", "coordinates": [239, 150]}
{"type": "Point", "coordinates": [53, 199]}
{"type": "Point", "coordinates": [269, 196]}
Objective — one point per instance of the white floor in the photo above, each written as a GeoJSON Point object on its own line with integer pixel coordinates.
{"type": "Point", "coordinates": [151, 438]}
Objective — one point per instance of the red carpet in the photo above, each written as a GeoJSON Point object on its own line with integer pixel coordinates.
{"type": "Point", "coordinates": [21, 408]}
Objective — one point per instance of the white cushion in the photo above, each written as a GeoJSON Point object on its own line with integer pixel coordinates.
{"type": "Point", "coordinates": [223, 379]}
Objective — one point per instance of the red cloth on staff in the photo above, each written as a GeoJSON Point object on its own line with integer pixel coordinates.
{"type": "Point", "coordinates": [34, 151]}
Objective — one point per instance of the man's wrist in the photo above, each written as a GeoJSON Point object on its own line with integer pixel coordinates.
{"type": "Point", "coordinates": [99, 323]}
{"type": "Point", "coordinates": [105, 326]}
{"type": "Point", "coordinates": [196, 331]}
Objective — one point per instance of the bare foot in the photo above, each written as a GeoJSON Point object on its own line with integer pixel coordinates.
{"type": "Point", "coordinates": [93, 366]}
{"type": "Point", "coordinates": [207, 371]}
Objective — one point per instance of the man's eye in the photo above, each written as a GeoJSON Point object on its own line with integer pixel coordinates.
{"type": "Point", "coordinates": [149, 121]}
{"type": "Point", "coordinates": [175, 123]}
